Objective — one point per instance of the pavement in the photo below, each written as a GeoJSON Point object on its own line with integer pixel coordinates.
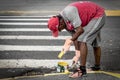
{"type": "Point", "coordinates": [91, 75]}
{"type": "Point", "coordinates": [26, 45]}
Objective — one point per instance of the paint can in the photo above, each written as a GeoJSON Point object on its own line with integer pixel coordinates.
{"type": "Point", "coordinates": [62, 67]}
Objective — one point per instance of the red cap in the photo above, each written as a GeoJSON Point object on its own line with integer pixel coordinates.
{"type": "Point", "coordinates": [53, 24]}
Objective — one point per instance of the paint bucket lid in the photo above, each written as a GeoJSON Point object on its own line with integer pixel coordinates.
{"type": "Point", "coordinates": [62, 63]}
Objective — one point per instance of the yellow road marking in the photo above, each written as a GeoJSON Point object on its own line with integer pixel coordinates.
{"type": "Point", "coordinates": [112, 74]}
{"type": "Point", "coordinates": [112, 12]}
{"type": "Point", "coordinates": [108, 12]}
{"type": "Point", "coordinates": [53, 74]}
{"type": "Point", "coordinates": [117, 75]}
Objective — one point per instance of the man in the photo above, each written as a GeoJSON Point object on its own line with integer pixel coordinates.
{"type": "Point", "coordinates": [83, 20]}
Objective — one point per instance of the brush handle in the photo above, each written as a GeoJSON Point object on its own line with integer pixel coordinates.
{"type": "Point", "coordinates": [61, 54]}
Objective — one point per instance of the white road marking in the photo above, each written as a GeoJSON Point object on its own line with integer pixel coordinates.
{"type": "Point", "coordinates": [24, 19]}
{"type": "Point", "coordinates": [31, 48]}
{"type": "Point", "coordinates": [33, 37]}
{"type": "Point", "coordinates": [26, 63]}
{"type": "Point", "coordinates": [23, 23]}
{"type": "Point", "coordinates": [25, 29]}
{"type": "Point", "coordinates": [30, 63]}
{"type": "Point", "coordinates": [28, 16]}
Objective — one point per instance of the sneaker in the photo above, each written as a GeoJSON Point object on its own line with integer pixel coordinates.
{"type": "Point", "coordinates": [95, 68]}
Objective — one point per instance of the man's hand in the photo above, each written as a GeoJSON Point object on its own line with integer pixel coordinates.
{"type": "Point", "coordinates": [66, 47]}
{"type": "Point", "coordinates": [75, 63]}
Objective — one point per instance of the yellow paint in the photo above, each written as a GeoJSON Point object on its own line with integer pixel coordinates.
{"type": "Point", "coordinates": [108, 73]}
{"type": "Point", "coordinates": [117, 75]}
{"type": "Point", "coordinates": [94, 72]}
{"type": "Point", "coordinates": [108, 12]}
{"type": "Point", "coordinates": [112, 12]}
{"type": "Point", "coordinates": [62, 63]}
{"type": "Point", "coordinates": [53, 74]}
{"type": "Point", "coordinates": [112, 74]}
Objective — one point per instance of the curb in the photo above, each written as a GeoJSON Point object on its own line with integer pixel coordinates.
{"type": "Point", "coordinates": [117, 75]}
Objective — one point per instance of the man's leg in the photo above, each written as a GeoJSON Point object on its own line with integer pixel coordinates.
{"type": "Point", "coordinates": [83, 55]}
{"type": "Point", "coordinates": [83, 50]}
{"type": "Point", "coordinates": [97, 52]}
{"type": "Point", "coordinates": [97, 55]}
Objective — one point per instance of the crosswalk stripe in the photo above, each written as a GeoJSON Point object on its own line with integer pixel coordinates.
{"type": "Point", "coordinates": [23, 23]}
{"type": "Point", "coordinates": [24, 19]}
{"type": "Point", "coordinates": [28, 63]}
{"type": "Point", "coordinates": [31, 48]}
{"type": "Point", "coordinates": [47, 16]}
{"type": "Point", "coordinates": [24, 29]}
{"type": "Point", "coordinates": [34, 37]}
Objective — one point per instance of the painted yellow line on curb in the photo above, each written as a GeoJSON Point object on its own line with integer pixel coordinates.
{"type": "Point", "coordinates": [117, 75]}
{"type": "Point", "coordinates": [112, 74]}
{"type": "Point", "coordinates": [112, 12]}
{"type": "Point", "coordinates": [108, 12]}
{"type": "Point", "coordinates": [54, 74]}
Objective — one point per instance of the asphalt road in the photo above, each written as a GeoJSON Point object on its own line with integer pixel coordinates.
{"type": "Point", "coordinates": [28, 45]}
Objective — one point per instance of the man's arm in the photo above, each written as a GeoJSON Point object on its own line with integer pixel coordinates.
{"type": "Point", "coordinates": [76, 44]}
{"type": "Point", "coordinates": [77, 52]}
{"type": "Point", "coordinates": [68, 42]}
{"type": "Point", "coordinates": [77, 33]}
